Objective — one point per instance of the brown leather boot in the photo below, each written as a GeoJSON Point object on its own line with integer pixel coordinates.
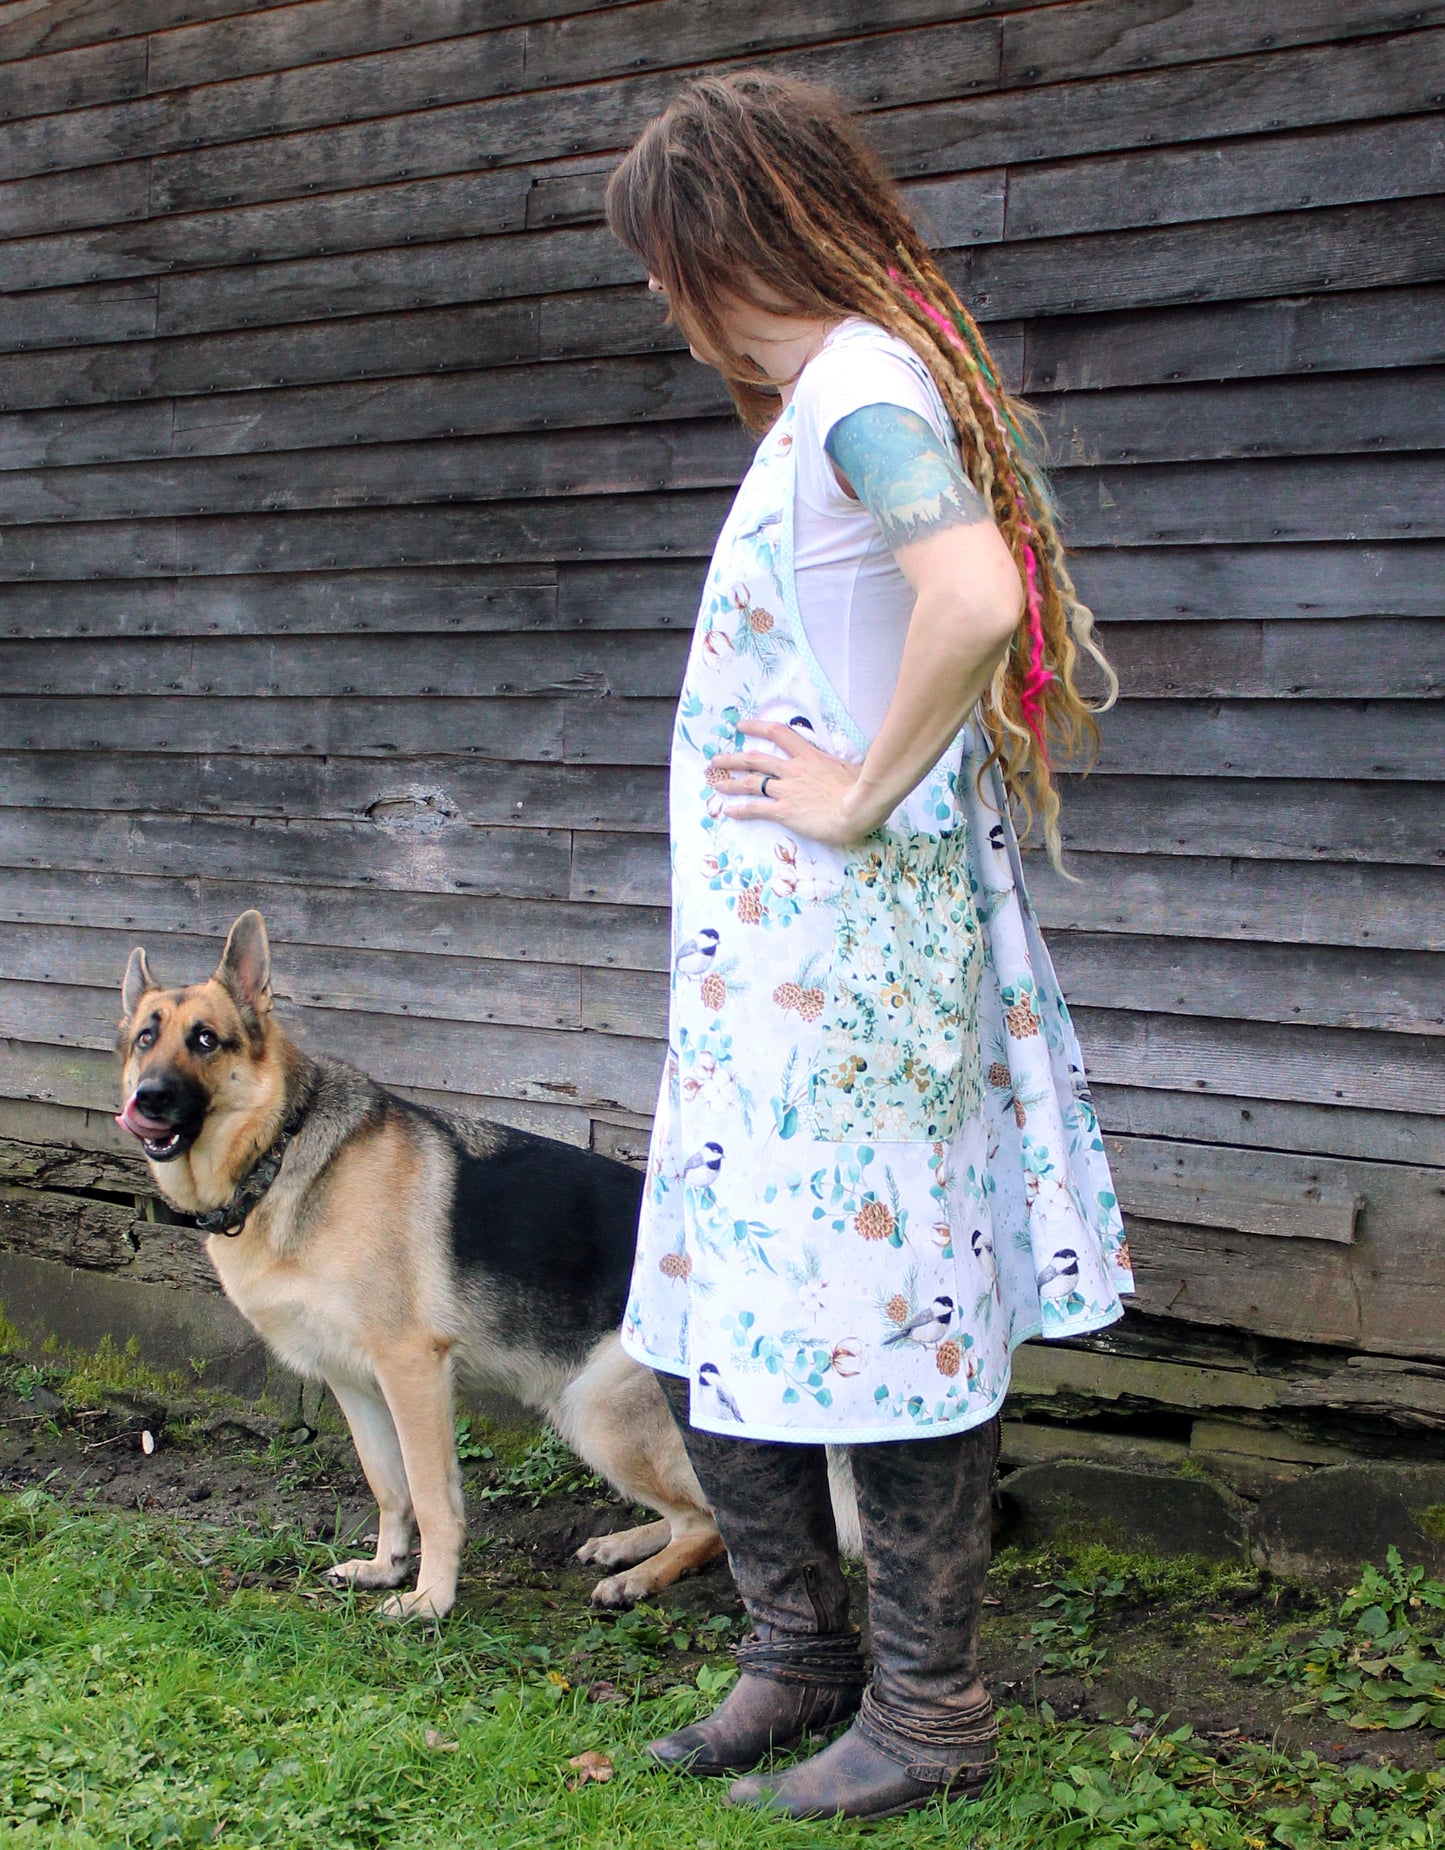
{"type": "Point", "coordinates": [926, 1728]}
{"type": "Point", "coordinates": [802, 1669]}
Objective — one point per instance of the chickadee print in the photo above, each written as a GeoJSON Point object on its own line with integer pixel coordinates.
{"type": "Point", "coordinates": [801, 724]}
{"type": "Point", "coordinates": [695, 957]}
{"type": "Point", "coordinates": [927, 1326]}
{"type": "Point", "coordinates": [710, 1381]}
{"type": "Point", "coordinates": [1060, 1277]}
{"type": "Point", "coordinates": [708, 1160]}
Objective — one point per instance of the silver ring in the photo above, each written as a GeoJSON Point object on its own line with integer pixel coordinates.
{"type": "Point", "coordinates": [768, 777]}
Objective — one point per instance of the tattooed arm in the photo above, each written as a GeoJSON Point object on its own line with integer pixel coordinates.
{"type": "Point", "coordinates": [969, 595]}
{"type": "Point", "coordinates": [969, 601]}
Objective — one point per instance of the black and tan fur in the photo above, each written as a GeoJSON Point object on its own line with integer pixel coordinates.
{"type": "Point", "coordinates": [401, 1253]}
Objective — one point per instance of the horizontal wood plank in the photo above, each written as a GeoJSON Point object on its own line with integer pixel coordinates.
{"type": "Point", "coordinates": [1285, 253]}
{"type": "Point", "coordinates": [62, 80]}
{"type": "Point", "coordinates": [1281, 819]}
{"type": "Point", "coordinates": [1281, 1197]}
{"type": "Point", "coordinates": [1361, 657]}
{"type": "Point", "coordinates": [1322, 1066]}
{"type": "Point", "coordinates": [56, 25]}
{"type": "Point", "coordinates": [1236, 340]}
{"type": "Point", "coordinates": [1334, 415]}
{"type": "Point", "coordinates": [615, 664]}
{"type": "Point", "coordinates": [582, 528]}
{"type": "Point", "coordinates": [292, 37]}
{"type": "Point", "coordinates": [1273, 1124]}
{"type": "Point", "coordinates": [1394, 159]}
{"type": "Point", "coordinates": [1391, 992]}
{"type": "Point", "coordinates": [1396, 242]}
{"type": "Point", "coordinates": [1276, 902]}
{"type": "Point", "coordinates": [639, 458]}
{"type": "Point", "coordinates": [598, 1071]}
{"type": "Point", "coordinates": [77, 1079]}
{"type": "Point", "coordinates": [1132, 35]}
{"type": "Point", "coordinates": [921, 64]}
{"type": "Point", "coordinates": [1212, 819]}
{"type": "Point", "coordinates": [1144, 584]}
{"type": "Point", "coordinates": [48, 204]}
{"type": "Point", "coordinates": [521, 863]}
{"type": "Point", "coordinates": [1142, 738]}
{"type": "Point", "coordinates": [1398, 992]}
{"type": "Point", "coordinates": [1243, 95]}
{"type": "Point", "coordinates": [1316, 582]}
{"type": "Point", "coordinates": [370, 218]}
{"type": "Point", "coordinates": [527, 993]}
{"type": "Point", "coordinates": [1241, 660]}
{"type": "Point", "coordinates": [1369, 412]}
{"type": "Point", "coordinates": [429, 795]}
{"type": "Point", "coordinates": [349, 918]}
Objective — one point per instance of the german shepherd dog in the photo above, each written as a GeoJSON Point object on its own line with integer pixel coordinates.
{"type": "Point", "coordinates": [396, 1252]}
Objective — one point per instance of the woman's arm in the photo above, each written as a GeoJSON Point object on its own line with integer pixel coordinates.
{"type": "Point", "coordinates": [969, 601]}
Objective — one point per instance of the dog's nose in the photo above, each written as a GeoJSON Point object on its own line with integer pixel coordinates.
{"type": "Point", "coordinates": [156, 1098]}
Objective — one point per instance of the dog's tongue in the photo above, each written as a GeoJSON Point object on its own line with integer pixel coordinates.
{"type": "Point", "coordinates": [135, 1121]}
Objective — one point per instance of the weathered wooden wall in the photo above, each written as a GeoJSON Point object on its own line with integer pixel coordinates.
{"type": "Point", "coordinates": [355, 503]}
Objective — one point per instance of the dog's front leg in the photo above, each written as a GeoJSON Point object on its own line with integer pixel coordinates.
{"type": "Point", "coordinates": [377, 1446]}
{"type": "Point", "coordinates": [417, 1380]}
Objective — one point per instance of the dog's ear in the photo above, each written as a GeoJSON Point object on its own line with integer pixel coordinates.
{"type": "Point", "coordinates": [245, 966]}
{"type": "Point", "coordinates": [136, 982]}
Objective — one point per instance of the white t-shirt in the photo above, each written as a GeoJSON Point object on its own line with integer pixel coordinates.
{"type": "Point", "coordinates": [854, 602]}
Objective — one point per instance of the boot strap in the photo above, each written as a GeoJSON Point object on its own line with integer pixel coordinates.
{"type": "Point", "coordinates": [829, 1660]}
{"type": "Point", "coordinates": [963, 1744]}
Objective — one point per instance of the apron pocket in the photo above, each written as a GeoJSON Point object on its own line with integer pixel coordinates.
{"type": "Point", "coordinates": [899, 1058]}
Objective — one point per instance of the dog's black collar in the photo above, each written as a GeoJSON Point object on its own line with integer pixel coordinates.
{"type": "Point", "coordinates": [232, 1215]}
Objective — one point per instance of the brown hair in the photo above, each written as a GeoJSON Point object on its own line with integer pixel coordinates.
{"type": "Point", "coordinates": [761, 188]}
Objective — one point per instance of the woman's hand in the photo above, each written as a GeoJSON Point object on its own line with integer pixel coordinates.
{"type": "Point", "coordinates": [809, 792]}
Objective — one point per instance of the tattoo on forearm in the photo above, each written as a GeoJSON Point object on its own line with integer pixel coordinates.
{"type": "Point", "coordinates": [909, 482]}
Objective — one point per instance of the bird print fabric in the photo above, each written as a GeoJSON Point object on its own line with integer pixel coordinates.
{"type": "Point", "coordinates": [875, 1168]}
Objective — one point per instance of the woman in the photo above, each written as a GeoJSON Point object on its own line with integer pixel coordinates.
{"type": "Point", "coordinates": [875, 1168]}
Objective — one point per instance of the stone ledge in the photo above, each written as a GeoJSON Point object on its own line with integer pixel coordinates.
{"type": "Point", "coordinates": [172, 1328]}
{"type": "Point", "coordinates": [1322, 1526]}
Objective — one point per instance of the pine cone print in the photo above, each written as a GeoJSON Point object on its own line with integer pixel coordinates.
{"type": "Point", "coordinates": [714, 990]}
{"type": "Point", "coordinates": [948, 1356]}
{"type": "Point", "coordinates": [760, 621]}
{"type": "Point", "coordinates": [716, 775]}
{"type": "Point", "coordinates": [874, 1220]}
{"type": "Point", "coordinates": [897, 1308]}
{"type": "Point", "coordinates": [675, 1265]}
{"type": "Point", "coordinates": [788, 996]}
{"type": "Point", "coordinates": [1021, 1021]}
{"type": "Point", "coordinates": [999, 1076]}
{"type": "Point", "coordinates": [811, 1006]}
{"type": "Point", "coordinates": [1021, 1117]}
{"type": "Point", "coordinates": [750, 904]}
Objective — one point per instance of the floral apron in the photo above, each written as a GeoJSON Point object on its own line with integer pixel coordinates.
{"type": "Point", "coordinates": [875, 1168]}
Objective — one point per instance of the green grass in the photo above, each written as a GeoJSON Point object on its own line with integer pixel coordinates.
{"type": "Point", "coordinates": [169, 1684]}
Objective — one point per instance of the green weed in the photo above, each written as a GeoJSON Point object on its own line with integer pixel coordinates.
{"type": "Point", "coordinates": [548, 1468]}
{"type": "Point", "coordinates": [1382, 1665]}
{"type": "Point", "coordinates": [1068, 1637]}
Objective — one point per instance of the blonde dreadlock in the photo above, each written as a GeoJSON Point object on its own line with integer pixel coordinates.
{"type": "Point", "coordinates": [759, 188]}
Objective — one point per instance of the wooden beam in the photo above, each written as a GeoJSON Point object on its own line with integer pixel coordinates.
{"type": "Point", "coordinates": [1250, 1191]}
